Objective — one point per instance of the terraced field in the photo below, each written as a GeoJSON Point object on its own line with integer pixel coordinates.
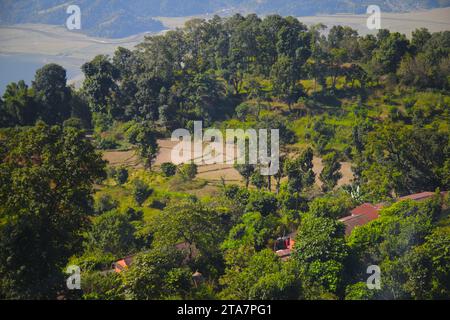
{"type": "Point", "coordinates": [208, 172]}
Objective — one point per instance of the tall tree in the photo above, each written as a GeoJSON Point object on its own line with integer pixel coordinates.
{"type": "Point", "coordinates": [196, 227]}
{"type": "Point", "coordinates": [330, 174]}
{"type": "Point", "coordinates": [100, 86]}
{"type": "Point", "coordinates": [285, 76]}
{"type": "Point", "coordinates": [405, 159]}
{"type": "Point", "coordinates": [321, 251]}
{"type": "Point", "coordinates": [158, 274]}
{"type": "Point", "coordinates": [113, 233]}
{"type": "Point", "coordinates": [260, 275]}
{"type": "Point", "coordinates": [144, 137]}
{"type": "Point", "coordinates": [52, 93]}
{"type": "Point", "coordinates": [43, 208]}
{"type": "Point", "coordinates": [19, 105]}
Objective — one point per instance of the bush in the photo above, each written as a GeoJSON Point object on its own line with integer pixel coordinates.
{"type": "Point", "coordinates": [141, 192]}
{"type": "Point", "coordinates": [262, 202]}
{"type": "Point", "coordinates": [105, 203]}
{"type": "Point", "coordinates": [121, 175]}
{"type": "Point", "coordinates": [168, 169]}
{"type": "Point", "coordinates": [242, 111]}
{"type": "Point", "coordinates": [188, 171]}
{"type": "Point", "coordinates": [102, 286]}
{"type": "Point", "coordinates": [107, 143]}
{"type": "Point", "coordinates": [134, 215]}
{"type": "Point", "coordinates": [111, 172]}
{"type": "Point", "coordinates": [74, 123]}
{"type": "Point", "coordinates": [111, 233]}
{"type": "Point", "coordinates": [158, 204]}
{"type": "Point", "coordinates": [258, 180]}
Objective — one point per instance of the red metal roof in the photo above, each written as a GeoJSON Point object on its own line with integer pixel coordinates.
{"type": "Point", "coordinates": [367, 209]}
{"type": "Point", "coordinates": [284, 254]}
{"type": "Point", "coordinates": [367, 212]}
{"type": "Point", "coordinates": [418, 196]}
{"type": "Point", "coordinates": [353, 221]}
{"type": "Point", "coordinates": [123, 264]}
{"type": "Point", "coordinates": [360, 216]}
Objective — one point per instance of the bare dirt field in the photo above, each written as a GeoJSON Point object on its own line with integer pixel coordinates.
{"type": "Point", "coordinates": [346, 171]}
{"type": "Point", "coordinates": [209, 172]}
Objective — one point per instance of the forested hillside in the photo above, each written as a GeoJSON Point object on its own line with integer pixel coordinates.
{"type": "Point", "coordinates": [145, 229]}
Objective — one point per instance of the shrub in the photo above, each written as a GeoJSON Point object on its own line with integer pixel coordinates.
{"type": "Point", "coordinates": [107, 143]}
{"type": "Point", "coordinates": [141, 192]}
{"type": "Point", "coordinates": [134, 215]}
{"type": "Point", "coordinates": [111, 172]}
{"type": "Point", "coordinates": [242, 111]}
{"type": "Point", "coordinates": [168, 169]}
{"type": "Point", "coordinates": [258, 180]}
{"type": "Point", "coordinates": [105, 203]}
{"type": "Point", "coordinates": [73, 122]}
{"type": "Point", "coordinates": [121, 175]}
{"type": "Point", "coordinates": [263, 202]}
{"type": "Point", "coordinates": [188, 171]}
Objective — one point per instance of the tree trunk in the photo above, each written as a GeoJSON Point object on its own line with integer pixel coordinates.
{"type": "Point", "coordinates": [149, 163]}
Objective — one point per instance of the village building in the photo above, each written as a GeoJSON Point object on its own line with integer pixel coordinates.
{"type": "Point", "coordinates": [359, 216]}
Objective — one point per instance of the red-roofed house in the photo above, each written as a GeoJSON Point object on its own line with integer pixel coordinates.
{"type": "Point", "coordinates": [367, 212]}
{"type": "Point", "coordinates": [122, 264]}
{"type": "Point", "coordinates": [367, 209]}
{"type": "Point", "coordinates": [284, 246]}
{"type": "Point", "coordinates": [360, 216]}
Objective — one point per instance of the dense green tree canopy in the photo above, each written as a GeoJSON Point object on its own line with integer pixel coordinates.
{"type": "Point", "coordinates": [46, 176]}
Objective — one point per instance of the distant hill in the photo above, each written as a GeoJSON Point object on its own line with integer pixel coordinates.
{"type": "Point", "coordinates": [121, 18]}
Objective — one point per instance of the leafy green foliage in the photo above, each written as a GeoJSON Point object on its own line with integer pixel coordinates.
{"type": "Point", "coordinates": [351, 98]}
{"type": "Point", "coordinates": [121, 175]}
{"type": "Point", "coordinates": [187, 171]}
{"type": "Point", "coordinates": [112, 233]}
{"type": "Point", "coordinates": [43, 208]}
{"type": "Point", "coordinates": [168, 169]}
{"type": "Point", "coordinates": [144, 138]}
{"type": "Point", "coordinates": [158, 274]}
{"type": "Point", "coordinates": [405, 159]}
{"type": "Point", "coordinates": [405, 244]}
{"type": "Point", "coordinates": [105, 203]}
{"type": "Point", "coordinates": [257, 276]}
{"type": "Point", "coordinates": [321, 251]}
{"type": "Point", "coordinates": [195, 227]}
{"type": "Point", "coordinates": [330, 174]}
{"type": "Point", "coordinates": [246, 171]}
{"type": "Point", "coordinates": [141, 191]}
